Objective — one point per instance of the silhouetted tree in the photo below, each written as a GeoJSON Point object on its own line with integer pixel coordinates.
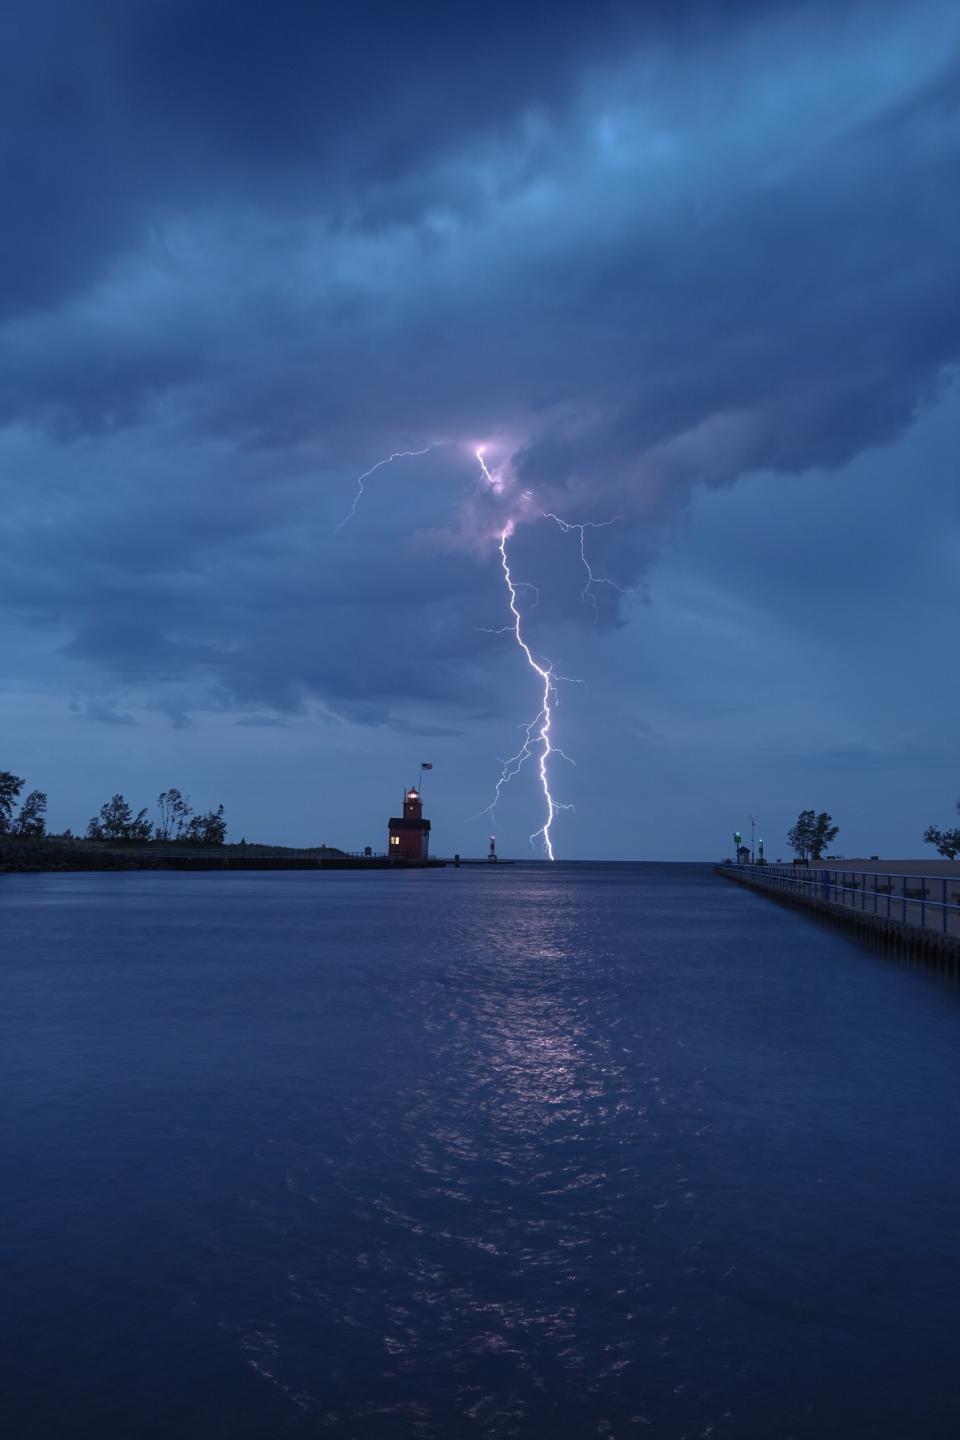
{"type": "Point", "coordinates": [209, 829]}
{"type": "Point", "coordinates": [812, 833]}
{"type": "Point", "coordinates": [174, 813]}
{"type": "Point", "coordinates": [946, 841]}
{"type": "Point", "coordinates": [10, 787]}
{"type": "Point", "coordinates": [824, 834]}
{"type": "Point", "coordinates": [800, 835]}
{"type": "Point", "coordinates": [118, 822]}
{"type": "Point", "coordinates": [32, 817]}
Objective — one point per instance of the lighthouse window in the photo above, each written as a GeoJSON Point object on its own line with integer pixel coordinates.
{"type": "Point", "coordinates": [394, 839]}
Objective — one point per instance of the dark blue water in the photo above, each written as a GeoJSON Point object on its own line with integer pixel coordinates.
{"type": "Point", "coordinates": [582, 1151]}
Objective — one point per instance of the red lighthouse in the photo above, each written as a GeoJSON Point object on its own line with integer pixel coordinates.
{"type": "Point", "coordinates": [409, 834]}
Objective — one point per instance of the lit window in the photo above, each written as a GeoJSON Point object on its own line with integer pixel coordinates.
{"type": "Point", "coordinates": [394, 839]}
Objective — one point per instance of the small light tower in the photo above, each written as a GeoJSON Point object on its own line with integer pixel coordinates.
{"type": "Point", "coordinates": [492, 852]}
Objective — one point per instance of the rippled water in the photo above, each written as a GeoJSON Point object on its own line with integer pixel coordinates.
{"type": "Point", "coordinates": [569, 1151]}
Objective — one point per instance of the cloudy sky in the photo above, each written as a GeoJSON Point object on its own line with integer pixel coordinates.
{"type": "Point", "coordinates": [690, 267]}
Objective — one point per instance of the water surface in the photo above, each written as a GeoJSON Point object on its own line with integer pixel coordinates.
{"type": "Point", "coordinates": [568, 1151]}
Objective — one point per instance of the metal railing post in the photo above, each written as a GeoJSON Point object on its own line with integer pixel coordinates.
{"type": "Point", "coordinates": [944, 910]}
{"type": "Point", "coordinates": [903, 893]}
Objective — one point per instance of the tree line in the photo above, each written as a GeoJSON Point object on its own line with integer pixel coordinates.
{"type": "Point", "coordinates": [812, 833]}
{"type": "Point", "coordinates": [30, 819]}
{"type": "Point", "coordinates": [116, 819]}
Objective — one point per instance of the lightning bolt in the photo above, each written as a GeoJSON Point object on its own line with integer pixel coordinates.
{"type": "Point", "coordinates": [587, 592]}
{"type": "Point", "coordinates": [538, 731]}
{"type": "Point", "coordinates": [537, 734]}
{"type": "Point", "coordinates": [397, 455]}
{"type": "Point", "coordinates": [493, 481]}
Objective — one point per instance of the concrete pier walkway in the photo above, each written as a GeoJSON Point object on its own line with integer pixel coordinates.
{"type": "Point", "coordinates": [916, 910]}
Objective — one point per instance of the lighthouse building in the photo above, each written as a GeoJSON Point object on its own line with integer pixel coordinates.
{"type": "Point", "coordinates": [409, 834]}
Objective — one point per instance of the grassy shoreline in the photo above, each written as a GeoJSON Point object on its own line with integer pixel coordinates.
{"type": "Point", "coordinates": [21, 855]}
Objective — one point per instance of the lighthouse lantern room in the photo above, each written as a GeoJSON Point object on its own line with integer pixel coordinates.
{"type": "Point", "coordinates": [409, 834]}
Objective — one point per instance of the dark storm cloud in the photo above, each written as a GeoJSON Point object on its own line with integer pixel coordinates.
{"type": "Point", "coordinates": [252, 249]}
{"type": "Point", "coordinates": [116, 114]}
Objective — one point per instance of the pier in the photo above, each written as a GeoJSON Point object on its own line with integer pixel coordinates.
{"type": "Point", "coordinates": [915, 915]}
{"type": "Point", "coordinates": [291, 861]}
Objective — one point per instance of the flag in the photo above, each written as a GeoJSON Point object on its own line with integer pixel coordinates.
{"type": "Point", "coordinates": [426, 764]}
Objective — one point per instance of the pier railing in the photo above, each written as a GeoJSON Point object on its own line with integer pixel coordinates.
{"type": "Point", "coordinates": [930, 902]}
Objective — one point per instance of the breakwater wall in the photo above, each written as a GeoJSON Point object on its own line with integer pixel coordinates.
{"type": "Point", "coordinates": [866, 906]}
{"type": "Point", "coordinates": [293, 862]}
{"type": "Point", "coordinates": [51, 855]}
